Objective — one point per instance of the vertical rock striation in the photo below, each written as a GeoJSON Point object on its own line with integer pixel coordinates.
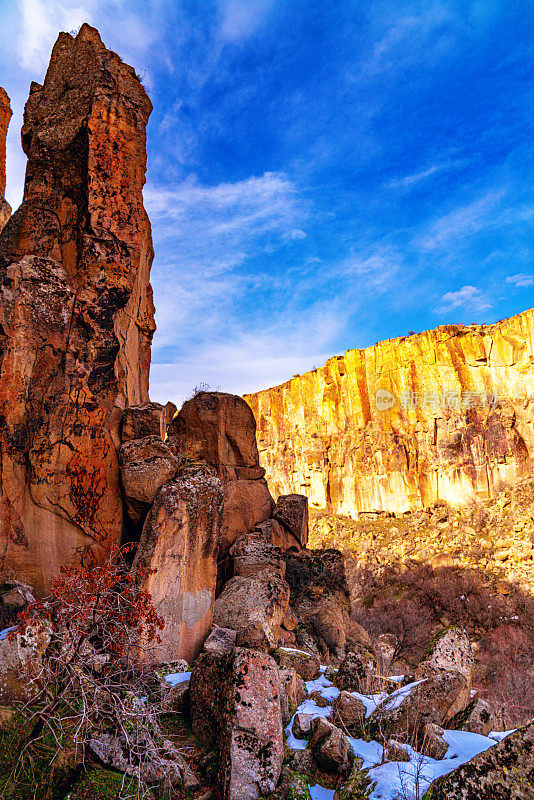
{"type": "Point", "coordinates": [446, 414]}
{"type": "Point", "coordinates": [76, 311]}
{"type": "Point", "coordinates": [5, 116]}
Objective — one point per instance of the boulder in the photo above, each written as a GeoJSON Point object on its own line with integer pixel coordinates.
{"type": "Point", "coordinates": [235, 708]}
{"type": "Point", "coordinates": [432, 700]}
{"type": "Point", "coordinates": [252, 554]}
{"type": "Point", "coordinates": [220, 640]}
{"type": "Point", "coordinates": [350, 712]}
{"type": "Point", "coordinates": [504, 772]}
{"type": "Point", "coordinates": [292, 693]}
{"type": "Point", "coordinates": [257, 633]}
{"type": "Point", "coordinates": [451, 649]}
{"type": "Point", "coordinates": [220, 429]}
{"type": "Point", "coordinates": [275, 533]}
{"type": "Point", "coordinates": [242, 598]}
{"type": "Point", "coordinates": [327, 615]}
{"type": "Point", "coordinates": [477, 717]}
{"type": "Point", "coordinates": [319, 700]}
{"type": "Point", "coordinates": [176, 562]}
{"type": "Point", "coordinates": [330, 747]}
{"type": "Point", "coordinates": [165, 765]}
{"type": "Point", "coordinates": [357, 671]}
{"type": "Point", "coordinates": [146, 465]}
{"type": "Point", "coordinates": [20, 663]}
{"type": "Point", "coordinates": [448, 690]}
{"type": "Point", "coordinates": [146, 419]}
{"type": "Point", "coordinates": [304, 664]}
{"type": "Point", "coordinates": [291, 510]}
{"type": "Point", "coordinates": [320, 597]}
{"type": "Point", "coordinates": [434, 745]}
{"type": "Point", "coordinates": [16, 594]}
{"type": "Point", "coordinates": [385, 647]}
{"type": "Point", "coordinates": [396, 751]}
{"type": "Point", "coordinates": [301, 726]}
{"type": "Point", "coordinates": [76, 311]}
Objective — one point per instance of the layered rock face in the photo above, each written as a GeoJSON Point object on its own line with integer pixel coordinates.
{"type": "Point", "coordinates": [446, 414]}
{"type": "Point", "coordinates": [76, 311]}
{"type": "Point", "coordinates": [5, 116]}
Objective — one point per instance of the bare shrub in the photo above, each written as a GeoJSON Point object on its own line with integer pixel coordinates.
{"type": "Point", "coordinates": [92, 681]}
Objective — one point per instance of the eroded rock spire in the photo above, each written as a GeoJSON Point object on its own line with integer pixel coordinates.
{"type": "Point", "coordinates": [5, 116]}
{"type": "Point", "coordinates": [76, 311]}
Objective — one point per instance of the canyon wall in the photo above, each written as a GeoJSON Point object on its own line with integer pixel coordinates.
{"type": "Point", "coordinates": [76, 311]}
{"type": "Point", "coordinates": [445, 414]}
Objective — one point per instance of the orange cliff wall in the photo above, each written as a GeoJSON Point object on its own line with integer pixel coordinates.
{"type": "Point", "coordinates": [456, 421]}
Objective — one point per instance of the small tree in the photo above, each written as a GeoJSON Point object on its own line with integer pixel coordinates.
{"type": "Point", "coordinates": [93, 678]}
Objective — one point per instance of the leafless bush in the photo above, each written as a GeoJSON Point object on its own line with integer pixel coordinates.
{"type": "Point", "coordinates": [91, 683]}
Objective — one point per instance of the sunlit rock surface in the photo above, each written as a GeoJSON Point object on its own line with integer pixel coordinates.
{"type": "Point", "coordinates": [444, 414]}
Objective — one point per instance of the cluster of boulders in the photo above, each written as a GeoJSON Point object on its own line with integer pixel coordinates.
{"type": "Point", "coordinates": [494, 535]}
{"type": "Point", "coordinates": [198, 501]}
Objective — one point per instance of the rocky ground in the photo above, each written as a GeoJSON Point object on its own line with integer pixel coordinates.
{"type": "Point", "coordinates": [494, 535]}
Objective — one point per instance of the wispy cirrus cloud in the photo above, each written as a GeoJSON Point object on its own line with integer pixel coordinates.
{"type": "Point", "coordinates": [468, 298]}
{"type": "Point", "coordinates": [521, 280]}
{"type": "Point", "coordinates": [239, 20]}
{"type": "Point", "coordinates": [244, 209]}
{"type": "Point", "coordinates": [465, 220]}
{"type": "Point", "coordinates": [409, 181]}
{"type": "Point", "coordinates": [207, 235]}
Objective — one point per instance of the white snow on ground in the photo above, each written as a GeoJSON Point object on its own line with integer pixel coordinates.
{"type": "Point", "coordinates": [318, 793]}
{"type": "Point", "coordinates": [174, 678]}
{"type": "Point", "coordinates": [324, 686]}
{"type": "Point", "coordinates": [307, 707]}
{"type": "Point", "coordinates": [500, 735]}
{"type": "Point", "coordinates": [417, 774]}
{"type": "Point", "coordinates": [393, 779]}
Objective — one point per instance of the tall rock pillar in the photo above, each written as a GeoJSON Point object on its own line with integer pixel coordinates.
{"type": "Point", "coordinates": [76, 311]}
{"type": "Point", "coordinates": [5, 116]}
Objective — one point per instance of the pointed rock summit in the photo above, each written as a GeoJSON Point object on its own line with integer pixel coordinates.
{"type": "Point", "coordinates": [76, 311]}
{"type": "Point", "coordinates": [5, 116]}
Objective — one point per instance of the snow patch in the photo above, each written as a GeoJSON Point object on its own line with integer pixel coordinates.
{"type": "Point", "coordinates": [174, 678]}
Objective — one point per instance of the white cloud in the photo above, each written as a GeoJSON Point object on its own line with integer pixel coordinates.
{"type": "Point", "coordinates": [521, 280]}
{"type": "Point", "coordinates": [414, 37]}
{"type": "Point", "coordinates": [245, 208]}
{"type": "Point", "coordinates": [295, 234]}
{"type": "Point", "coordinates": [412, 180]}
{"type": "Point", "coordinates": [468, 298]}
{"type": "Point", "coordinates": [39, 25]}
{"type": "Point", "coordinates": [466, 220]}
{"type": "Point", "coordinates": [206, 234]}
{"type": "Point", "coordinates": [240, 18]}
{"type": "Point", "coordinates": [376, 270]}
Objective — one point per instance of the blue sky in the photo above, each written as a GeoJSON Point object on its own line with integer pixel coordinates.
{"type": "Point", "coordinates": [322, 175]}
